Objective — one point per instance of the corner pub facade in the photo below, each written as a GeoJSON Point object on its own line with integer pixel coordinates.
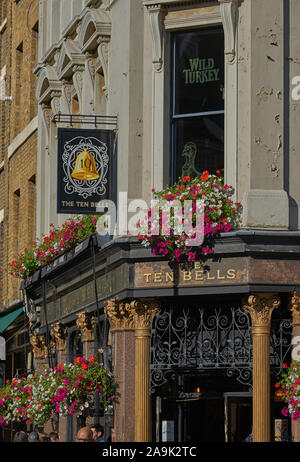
{"type": "Point", "coordinates": [195, 353]}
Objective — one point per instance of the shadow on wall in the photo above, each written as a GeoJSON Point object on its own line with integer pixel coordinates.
{"type": "Point", "coordinates": [293, 214]}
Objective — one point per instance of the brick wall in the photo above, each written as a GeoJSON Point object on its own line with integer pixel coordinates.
{"type": "Point", "coordinates": [18, 52]}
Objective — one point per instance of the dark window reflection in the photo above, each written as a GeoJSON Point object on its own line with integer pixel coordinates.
{"type": "Point", "coordinates": [199, 145]}
{"type": "Point", "coordinates": [198, 102]}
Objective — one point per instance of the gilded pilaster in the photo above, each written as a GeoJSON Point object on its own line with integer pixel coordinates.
{"type": "Point", "coordinates": [137, 316]}
{"type": "Point", "coordinates": [143, 312]}
{"type": "Point", "coordinates": [261, 306]}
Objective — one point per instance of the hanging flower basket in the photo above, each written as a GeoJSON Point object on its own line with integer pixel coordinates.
{"type": "Point", "coordinates": [221, 214]}
{"type": "Point", "coordinates": [48, 248]}
{"type": "Point", "coordinates": [290, 390]}
{"type": "Point", "coordinates": [64, 390]}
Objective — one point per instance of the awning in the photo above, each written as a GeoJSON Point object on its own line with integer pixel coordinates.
{"type": "Point", "coordinates": [6, 320]}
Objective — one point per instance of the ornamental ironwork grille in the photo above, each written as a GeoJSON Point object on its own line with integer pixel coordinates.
{"type": "Point", "coordinates": [195, 339]}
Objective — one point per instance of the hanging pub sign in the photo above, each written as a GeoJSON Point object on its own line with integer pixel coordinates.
{"type": "Point", "coordinates": [85, 169]}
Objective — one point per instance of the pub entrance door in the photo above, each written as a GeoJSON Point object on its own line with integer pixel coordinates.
{"type": "Point", "coordinates": [202, 419]}
{"type": "Point", "coordinates": [215, 418]}
{"type": "Point", "coordinates": [238, 416]}
{"type": "Point", "coordinates": [209, 417]}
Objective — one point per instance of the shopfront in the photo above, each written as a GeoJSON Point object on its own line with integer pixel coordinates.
{"type": "Point", "coordinates": [201, 369]}
{"type": "Point", "coordinates": [195, 351]}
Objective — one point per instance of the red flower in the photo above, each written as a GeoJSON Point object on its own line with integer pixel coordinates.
{"type": "Point", "coordinates": [277, 385]}
{"type": "Point", "coordinates": [186, 179]}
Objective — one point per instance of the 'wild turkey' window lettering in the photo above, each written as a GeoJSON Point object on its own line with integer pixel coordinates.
{"type": "Point", "coordinates": [197, 109]}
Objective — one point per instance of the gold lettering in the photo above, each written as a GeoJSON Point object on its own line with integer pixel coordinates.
{"type": "Point", "coordinates": [67, 203]}
{"type": "Point", "coordinates": [218, 275]}
{"type": "Point", "coordinates": [231, 274]}
{"type": "Point", "coordinates": [147, 276]}
{"type": "Point", "coordinates": [197, 265]}
{"type": "Point", "coordinates": [157, 277]}
{"type": "Point", "coordinates": [169, 277]}
{"type": "Point", "coordinates": [208, 276]}
{"type": "Point", "coordinates": [187, 275]}
{"type": "Point", "coordinates": [199, 275]}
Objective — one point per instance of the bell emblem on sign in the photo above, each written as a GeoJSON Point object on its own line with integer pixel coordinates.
{"type": "Point", "coordinates": [85, 167]}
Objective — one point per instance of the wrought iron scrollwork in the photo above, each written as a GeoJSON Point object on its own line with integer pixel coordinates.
{"type": "Point", "coordinates": [197, 338]}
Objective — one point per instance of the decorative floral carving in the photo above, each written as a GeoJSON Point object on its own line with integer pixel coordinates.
{"type": "Point", "coordinates": [143, 312]}
{"type": "Point", "coordinates": [39, 347]}
{"type": "Point", "coordinates": [86, 323]}
{"type": "Point", "coordinates": [59, 332]}
{"type": "Point", "coordinates": [295, 308]}
{"type": "Point", "coordinates": [261, 307]}
{"type": "Point", "coordinates": [120, 318]}
{"type": "Point", "coordinates": [137, 314]}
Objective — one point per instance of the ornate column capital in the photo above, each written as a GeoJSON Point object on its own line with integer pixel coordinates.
{"type": "Point", "coordinates": [39, 347]}
{"type": "Point", "coordinates": [137, 314]}
{"type": "Point", "coordinates": [59, 333]}
{"type": "Point", "coordinates": [294, 306]}
{"type": "Point", "coordinates": [143, 311]}
{"type": "Point", "coordinates": [119, 316]}
{"type": "Point", "coordinates": [261, 306]}
{"type": "Point", "coordinates": [86, 323]}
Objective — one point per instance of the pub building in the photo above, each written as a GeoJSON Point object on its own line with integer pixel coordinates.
{"type": "Point", "coordinates": [172, 88]}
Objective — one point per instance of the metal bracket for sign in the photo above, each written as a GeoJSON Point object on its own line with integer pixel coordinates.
{"type": "Point", "coordinates": [96, 120]}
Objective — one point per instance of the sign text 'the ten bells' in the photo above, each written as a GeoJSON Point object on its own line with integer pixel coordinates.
{"type": "Point", "coordinates": [84, 169]}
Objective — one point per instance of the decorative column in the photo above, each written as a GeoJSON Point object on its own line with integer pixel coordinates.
{"type": "Point", "coordinates": [132, 321]}
{"type": "Point", "coordinates": [261, 306]}
{"type": "Point", "coordinates": [123, 358]}
{"type": "Point", "coordinates": [295, 309]}
{"type": "Point", "coordinates": [86, 323]}
{"type": "Point", "coordinates": [143, 311]}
